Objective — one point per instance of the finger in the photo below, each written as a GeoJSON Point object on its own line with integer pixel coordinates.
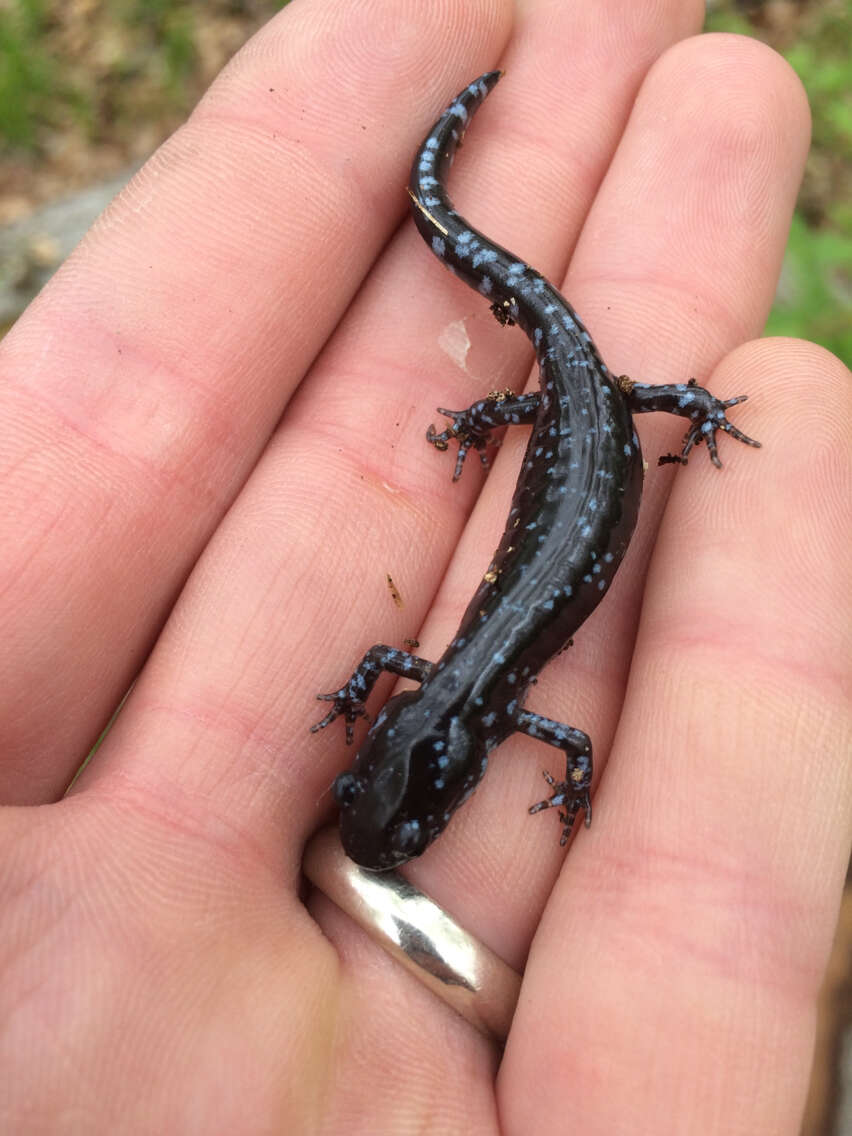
{"type": "Point", "coordinates": [663, 316]}
{"type": "Point", "coordinates": [698, 916]}
{"type": "Point", "coordinates": [142, 385]}
{"type": "Point", "coordinates": [294, 587]}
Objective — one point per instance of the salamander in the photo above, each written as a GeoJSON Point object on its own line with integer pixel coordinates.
{"type": "Point", "coordinates": [572, 515]}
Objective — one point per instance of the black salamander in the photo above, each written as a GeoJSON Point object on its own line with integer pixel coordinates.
{"type": "Point", "coordinates": [572, 516]}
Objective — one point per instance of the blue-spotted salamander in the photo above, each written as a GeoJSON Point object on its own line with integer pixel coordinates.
{"type": "Point", "coordinates": [572, 516]}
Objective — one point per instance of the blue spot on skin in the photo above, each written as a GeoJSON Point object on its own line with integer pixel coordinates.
{"type": "Point", "coordinates": [439, 247]}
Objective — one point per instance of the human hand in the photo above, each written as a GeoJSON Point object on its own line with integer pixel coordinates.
{"type": "Point", "coordinates": [160, 971]}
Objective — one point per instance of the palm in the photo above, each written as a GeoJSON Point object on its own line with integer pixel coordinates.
{"type": "Point", "coordinates": [159, 971]}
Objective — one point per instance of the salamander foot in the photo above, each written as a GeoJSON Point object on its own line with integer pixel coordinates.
{"type": "Point", "coordinates": [566, 796]}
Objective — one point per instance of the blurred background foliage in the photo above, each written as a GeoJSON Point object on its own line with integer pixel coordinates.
{"type": "Point", "coordinates": [814, 297]}
{"type": "Point", "coordinates": [88, 87]}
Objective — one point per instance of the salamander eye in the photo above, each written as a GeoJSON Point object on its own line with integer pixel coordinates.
{"type": "Point", "coordinates": [346, 788]}
{"type": "Point", "coordinates": [409, 838]}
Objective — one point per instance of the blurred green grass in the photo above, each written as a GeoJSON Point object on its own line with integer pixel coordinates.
{"type": "Point", "coordinates": [103, 66]}
{"type": "Point", "coordinates": [29, 81]}
{"type": "Point", "coordinates": [814, 297]}
{"type": "Point", "coordinates": [40, 89]}
{"type": "Point", "coordinates": [141, 65]}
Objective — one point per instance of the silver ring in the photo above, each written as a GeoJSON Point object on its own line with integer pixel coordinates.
{"type": "Point", "coordinates": [419, 934]}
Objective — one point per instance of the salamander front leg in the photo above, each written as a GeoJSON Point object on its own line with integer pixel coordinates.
{"type": "Point", "coordinates": [472, 428]}
{"type": "Point", "coordinates": [349, 700]}
{"type": "Point", "coordinates": [572, 794]}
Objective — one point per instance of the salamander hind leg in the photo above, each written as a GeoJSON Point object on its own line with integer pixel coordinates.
{"type": "Point", "coordinates": [472, 428]}
{"type": "Point", "coordinates": [688, 400]}
{"type": "Point", "coordinates": [350, 699]}
{"type": "Point", "coordinates": [570, 795]}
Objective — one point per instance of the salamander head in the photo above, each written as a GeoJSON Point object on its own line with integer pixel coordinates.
{"type": "Point", "coordinates": [410, 774]}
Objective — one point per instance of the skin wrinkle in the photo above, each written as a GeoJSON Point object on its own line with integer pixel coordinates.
{"type": "Point", "coordinates": [730, 322]}
{"type": "Point", "coordinates": [328, 186]}
{"type": "Point", "coordinates": [202, 414]}
{"type": "Point", "coordinates": [228, 254]}
{"type": "Point", "coordinates": [646, 118]}
{"type": "Point", "coordinates": [20, 575]}
{"type": "Point", "coordinates": [221, 710]}
{"type": "Point", "coordinates": [828, 686]}
{"type": "Point", "coordinates": [204, 818]}
{"type": "Point", "coordinates": [167, 478]}
{"type": "Point", "coordinates": [680, 298]}
{"type": "Point", "coordinates": [225, 711]}
{"type": "Point", "coordinates": [401, 484]}
{"type": "Point", "coordinates": [634, 887]}
{"type": "Point", "coordinates": [701, 623]}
